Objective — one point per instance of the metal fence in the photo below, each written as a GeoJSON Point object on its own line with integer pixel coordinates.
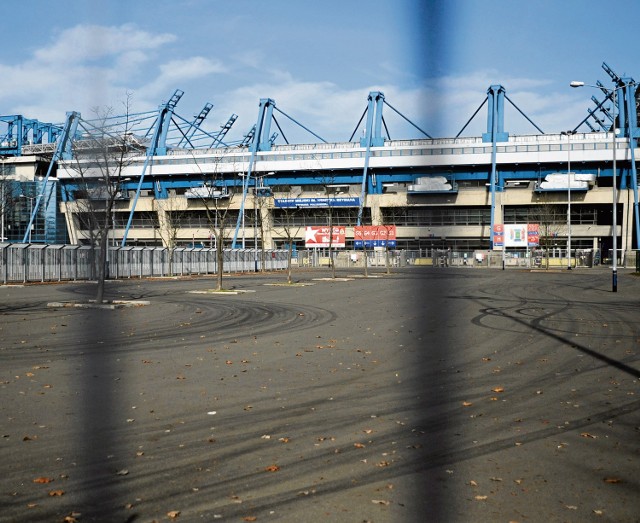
{"type": "Point", "coordinates": [345, 259]}
{"type": "Point", "coordinates": [21, 263]}
{"type": "Point", "coordinates": [532, 259]}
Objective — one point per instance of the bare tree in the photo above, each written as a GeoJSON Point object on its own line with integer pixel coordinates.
{"type": "Point", "coordinates": [288, 225]}
{"type": "Point", "coordinates": [388, 230]}
{"type": "Point", "coordinates": [216, 199]}
{"type": "Point", "coordinates": [99, 160]}
{"type": "Point", "coordinates": [8, 197]}
{"type": "Point", "coordinates": [552, 222]}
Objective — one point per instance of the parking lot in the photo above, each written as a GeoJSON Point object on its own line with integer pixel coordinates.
{"type": "Point", "coordinates": [450, 395]}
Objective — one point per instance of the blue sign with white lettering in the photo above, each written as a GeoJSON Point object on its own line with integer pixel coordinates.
{"type": "Point", "coordinates": [290, 203]}
{"type": "Point", "coordinates": [370, 244]}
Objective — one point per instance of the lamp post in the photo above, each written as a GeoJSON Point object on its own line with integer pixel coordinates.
{"type": "Point", "coordinates": [614, 260]}
{"type": "Point", "coordinates": [3, 200]}
{"type": "Point", "coordinates": [568, 134]}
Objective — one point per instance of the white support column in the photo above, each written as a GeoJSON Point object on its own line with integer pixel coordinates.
{"type": "Point", "coordinates": [266, 215]}
{"type": "Point", "coordinates": [626, 202]}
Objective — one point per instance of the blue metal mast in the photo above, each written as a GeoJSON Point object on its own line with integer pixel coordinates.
{"type": "Point", "coordinates": [158, 147]}
{"type": "Point", "coordinates": [495, 133]}
{"type": "Point", "coordinates": [259, 142]}
{"type": "Point", "coordinates": [372, 138]}
{"type": "Point", "coordinates": [63, 150]}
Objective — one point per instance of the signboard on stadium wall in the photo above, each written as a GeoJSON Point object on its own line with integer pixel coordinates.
{"type": "Point", "coordinates": [318, 237]}
{"type": "Point", "coordinates": [287, 203]}
{"type": "Point", "coordinates": [516, 235]}
{"type": "Point", "coordinates": [370, 236]}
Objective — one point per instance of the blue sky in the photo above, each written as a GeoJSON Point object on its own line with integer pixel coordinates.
{"type": "Point", "coordinates": [434, 60]}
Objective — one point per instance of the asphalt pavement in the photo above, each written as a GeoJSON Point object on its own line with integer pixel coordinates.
{"type": "Point", "coordinates": [444, 395]}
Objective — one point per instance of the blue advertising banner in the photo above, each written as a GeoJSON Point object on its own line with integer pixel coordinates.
{"type": "Point", "coordinates": [370, 244]}
{"type": "Point", "coordinates": [284, 203]}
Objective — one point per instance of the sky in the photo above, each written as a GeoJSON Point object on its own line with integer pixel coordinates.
{"type": "Point", "coordinates": [433, 59]}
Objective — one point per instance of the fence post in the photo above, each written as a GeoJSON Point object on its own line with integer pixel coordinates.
{"type": "Point", "coordinates": [25, 254]}
{"type": "Point", "coordinates": [5, 261]}
{"type": "Point", "coordinates": [42, 263]}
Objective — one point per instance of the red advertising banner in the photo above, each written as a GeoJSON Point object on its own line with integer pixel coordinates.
{"type": "Point", "coordinates": [498, 235]}
{"type": "Point", "coordinates": [318, 237]}
{"type": "Point", "coordinates": [533, 234]}
{"type": "Point", "coordinates": [374, 236]}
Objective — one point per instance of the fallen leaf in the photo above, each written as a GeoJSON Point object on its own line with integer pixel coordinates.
{"type": "Point", "coordinates": [359, 445]}
{"type": "Point", "coordinates": [480, 498]}
{"type": "Point", "coordinates": [466, 404]}
{"type": "Point", "coordinates": [43, 480]}
{"type": "Point", "coordinates": [272, 468]}
{"type": "Point", "coordinates": [498, 389]}
{"type": "Point", "coordinates": [587, 435]}
{"type": "Point", "coordinates": [173, 514]}
{"type": "Point", "coordinates": [612, 480]}
{"type": "Point", "coordinates": [249, 518]}
{"type": "Point", "coordinates": [380, 501]}
{"type": "Point", "coordinates": [56, 493]}
{"type": "Point", "coordinates": [473, 483]}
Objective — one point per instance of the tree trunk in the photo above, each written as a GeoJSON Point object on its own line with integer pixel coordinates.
{"type": "Point", "coordinates": [102, 266]}
{"type": "Point", "coordinates": [289, 256]}
{"type": "Point", "coordinates": [220, 258]}
{"type": "Point", "coordinates": [365, 260]}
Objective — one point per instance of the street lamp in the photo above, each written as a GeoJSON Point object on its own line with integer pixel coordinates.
{"type": "Point", "coordinates": [568, 134]}
{"type": "Point", "coordinates": [614, 261]}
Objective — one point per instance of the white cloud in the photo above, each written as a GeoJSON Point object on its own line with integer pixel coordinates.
{"type": "Point", "coordinates": [92, 66]}
{"type": "Point", "coordinates": [86, 43]}
{"type": "Point", "coordinates": [96, 66]}
{"type": "Point", "coordinates": [178, 74]}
